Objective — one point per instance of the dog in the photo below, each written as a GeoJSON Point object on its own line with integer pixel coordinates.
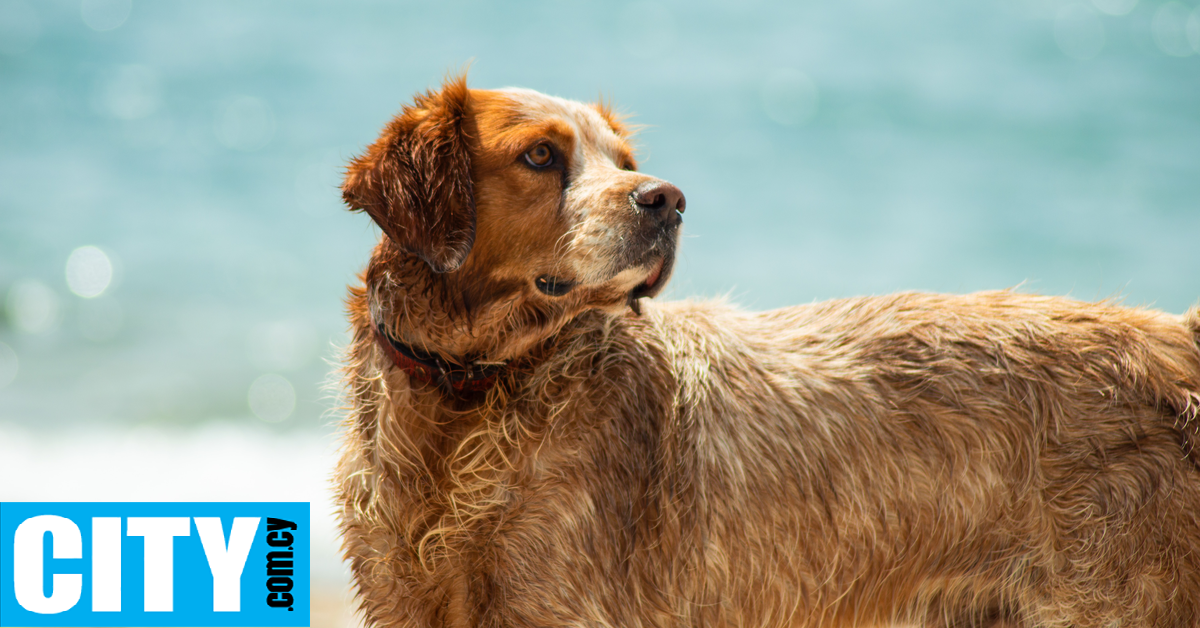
{"type": "Point", "coordinates": [530, 442]}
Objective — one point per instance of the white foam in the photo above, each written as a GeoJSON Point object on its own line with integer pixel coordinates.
{"type": "Point", "coordinates": [214, 462]}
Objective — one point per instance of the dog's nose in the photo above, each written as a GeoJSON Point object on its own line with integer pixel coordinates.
{"type": "Point", "coordinates": [662, 200]}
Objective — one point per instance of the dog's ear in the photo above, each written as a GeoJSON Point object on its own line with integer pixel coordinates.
{"type": "Point", "coordinates": [415, 180]}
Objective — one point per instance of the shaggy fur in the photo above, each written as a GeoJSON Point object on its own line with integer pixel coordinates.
{"type": "Point", "coordinates": [988, 459]}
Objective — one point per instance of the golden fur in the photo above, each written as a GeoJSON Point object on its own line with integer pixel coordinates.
{"type": "Point", "coordinates": [987, 459]}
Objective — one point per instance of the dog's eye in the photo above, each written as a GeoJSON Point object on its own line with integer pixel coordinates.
{"type": "Point", "coordinates": [629, 166]}
{"type": "Point", "coordinates": [553, 286]}
{"type": "Point", "coordinates": [540, 156]}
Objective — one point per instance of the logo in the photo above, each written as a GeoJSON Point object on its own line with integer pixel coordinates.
{"type": "Point", "coordinates": [154, 564]}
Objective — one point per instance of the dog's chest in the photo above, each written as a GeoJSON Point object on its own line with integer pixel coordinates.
{"type": "Point", "coordinates": [551, 530]}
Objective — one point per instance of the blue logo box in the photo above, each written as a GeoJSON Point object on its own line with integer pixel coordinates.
{"type": "Point", "coordinates": [154, 564]}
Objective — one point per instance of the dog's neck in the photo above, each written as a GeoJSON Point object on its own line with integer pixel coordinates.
{"type": "Point", "coordinates": [448, 330]}
{"type": "Point", "coordinates": [461, 375]}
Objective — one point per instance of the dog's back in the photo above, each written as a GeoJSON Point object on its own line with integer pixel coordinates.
{"type": "Point", "coordinates": [948, 458]}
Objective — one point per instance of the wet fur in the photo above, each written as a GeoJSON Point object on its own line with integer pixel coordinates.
{"type": "Point", "coordinates": [987, 459]}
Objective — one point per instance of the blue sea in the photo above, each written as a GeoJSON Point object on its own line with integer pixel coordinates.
{"type": "Point", "coordinates": [174, 252]}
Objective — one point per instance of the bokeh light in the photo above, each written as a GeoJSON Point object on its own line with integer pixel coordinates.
{"type": "Point", "coordinates": [272, 398]}
{"type": "Point", "coordinates": [32, 307]}
{"type": "Point", "coordinates": [105, 15]}
{"type": "Point", "coordinates": [89, 272]}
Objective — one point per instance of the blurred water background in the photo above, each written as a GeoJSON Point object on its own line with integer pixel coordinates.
{"type": "Point", "coordinates": [174, 253]}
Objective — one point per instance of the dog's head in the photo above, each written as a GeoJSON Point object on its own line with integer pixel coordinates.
{"type": "Point", "coordinates": [505, 214]}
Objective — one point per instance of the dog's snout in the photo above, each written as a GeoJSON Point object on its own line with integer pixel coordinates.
{"type": "Point", "coordinates": [663, 200]}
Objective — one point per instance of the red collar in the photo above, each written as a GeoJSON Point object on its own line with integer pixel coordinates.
{"type": "Point", "coordinates": [459, 376]}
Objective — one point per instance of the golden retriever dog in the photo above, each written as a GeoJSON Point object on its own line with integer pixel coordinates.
{"type": "Point", "coordinates": [531, 442]}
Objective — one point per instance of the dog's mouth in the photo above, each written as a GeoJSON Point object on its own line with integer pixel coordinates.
{"type": "Point", "coordinates": [660, 272]}
{"type": "Point", "coordinates": [651, 285]}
